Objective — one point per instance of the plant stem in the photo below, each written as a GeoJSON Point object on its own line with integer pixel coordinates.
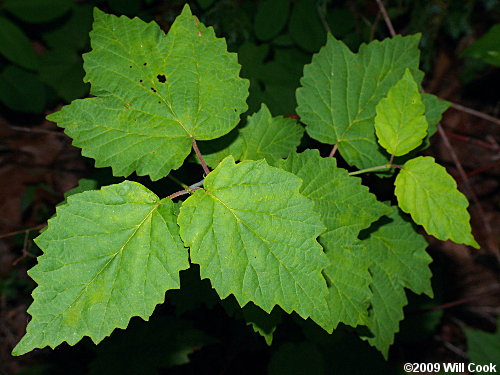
{"type": "Point", "coordinates": [178, 182]}
{"type": "Point", "coordinates": [334, 150]}
{"type": "Point", "coordinates": [373, 169]}
{"type": "Point", "coordinates": [198, 184]}
{"type": "Point", "coordinates": [386, 18]}
{"type": "Point", "coordinates": [200, 158]}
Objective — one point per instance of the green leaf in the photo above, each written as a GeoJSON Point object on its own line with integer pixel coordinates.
{"type": "Point", "coordinates": [146, 347]}
{"type": "Point", "coordinates": [218, 149]}
{"type": "Point", "coordinates": [37, 11]}
{"type": "Point", "coordinates": [21, 90]}
{"type": "Point", "coordinates": [74, 33]}
{"type": "Point", "coordinates": [346, 207]}
{"type": "Point", "coordinates": [204, 4]}
{"type": "Point", "coordinates": [261, 322]}
{"type": "Point", "coordinates": [270, 18]}
{"type": "Point", "coordinates": [487, 47]}
{"type": "Point", "coordinates": [483, 347]}
{"type": "Point", "coordinates": [340, 91]}
{"type": "Point", "coordinates": [429, 194]}
{"type": "Point", "coordinates": [16, 46]}
{"type": "Point", "coordinates": [399, 261]}
{"type": "Point", "coordinates": [109, 255]}
{"type": "Point", "coordinates": [400, 123]}
{"type": "Point", "coordinates": [62, 70]}
{"type": "Point", "coordinates": [269, 137]}
{"type": "Point", "coordinates": [305, 26]}
{"type": "Point", "coordinates": [254, 236]}
{"type": "Point", "coordinates": [434, 109]}
{"type": "Point", "coordinates": [154, 94]}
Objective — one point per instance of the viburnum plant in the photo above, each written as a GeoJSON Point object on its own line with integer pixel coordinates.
{"type": "Point", "coordinates": [268, 225]}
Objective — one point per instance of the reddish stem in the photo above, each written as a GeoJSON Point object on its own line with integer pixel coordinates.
{"type": "Point", "coordinates": [200, 158]}
{"type": "Point", "coordinates": [334, 150]}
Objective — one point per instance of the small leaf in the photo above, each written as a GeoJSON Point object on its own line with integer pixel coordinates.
{"type": "Point", "coordinates": [254, 235]}
{"type": "Point", "coordinates": [155, 93]}
{"type": "Point", "coordinates": [109, 255]}
{"type": "Point", "coordinates": [483, 347]}
{"type": "Point", "coordinates": [346, 207]}
{"type": "Point", "coordinates": [62, 69]}
{"type": "Point", "coordinates": [21, 90]}
{"type": "Point", "coordinates": [261, 322]}
{"type": "Point", "coordinates": [400, 123]}
{"type": "Point", "coordinates": [270, 18]}
{"type": "Point", "coordinates": [305, 26]}
{"type": "Point", "coordinates": [429, 194]}
{"type": "Point", "coordinates": [147, 347]}
{"type": "Point", "coordinates": [434, 109]}
{"type": "Point", "coordinates": [340, 91]}
{"type": "Point", "coordinates": [269, 137]}
{"type": "Point", "coordinates": [15, 45]}
{"type": "Point", "coordinates": [37, 11]}
{"type": "Point", "coordinates": [487, 47]}
{"type": "Point", "coordinates": [399, 261]}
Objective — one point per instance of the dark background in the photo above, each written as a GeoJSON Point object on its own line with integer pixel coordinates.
{"type": "Point", "coordinates": [41, 43]}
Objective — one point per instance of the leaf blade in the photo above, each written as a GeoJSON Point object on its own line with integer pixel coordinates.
{"type": "Point", "coordinates": [400, 122]}
{"type": "Point", "coordinates": [429, 194]}
{"type": "Point", "coordinates": [243, 245]}
{"type": "Point", "coordinates": [109, 254]}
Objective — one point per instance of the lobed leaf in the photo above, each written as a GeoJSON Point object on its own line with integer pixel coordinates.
{"type": "Point", "coordinates": [429, 194]}
{"type": "Point", "coordinates": [399, 261]}
{"type": "Point", "coordinates": [400, 123]}
{"type": "Point", "coordinates": [154, 94]}
{"type": "Point", "coordinates": [109, 255]}
{"type": "Point", "coordinates": [346, 207]}
{"type": "Point", "coordinates": [340, 91]}
{"type": "Point", "coordinates": [254, 236]}
{"type": "Point", "coordinates": [269, 137]}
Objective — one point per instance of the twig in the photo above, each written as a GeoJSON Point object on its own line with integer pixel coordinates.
{"type": "Point", "coordinates": [464, 300]}
{"type": "Point", "coordinates": [36, 130]}
{"type": "Point", "coordinates": [478, 142]}
{"type": "Point", "coordinates": [179, 182]}
{"type": "Point", "coordinates": [386, 18]}
{"type": "Point", "coordinates": [491, 238]}
{"type": "Point", "coordinates": [334, 150]}
{"type": "Point", "coordinates": [5, 235]}
{"type": "Point", "coordinates": [374, 169]}
{"type": "Point", "coordinates": [473, 112]}
{"type": "Point", "coordinates": [321, 8]}
{"type": "Point", "coordinates": [182, 192]}
{"type": "Point", "coordinates": [200, 158]}
{"type": "Point", "coordinates": [481, 169]}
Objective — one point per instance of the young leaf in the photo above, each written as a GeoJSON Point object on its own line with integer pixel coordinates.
{"type": "Point", "coordinates": [400, 123]}
{"type": "Point", "coordinates": [346, 207]}
{"type": "Point", "coordinates": [270, 137]}
{"type": "Point", "coordinates": [109, 255]}
{"type": "Point", "coordinates": [340, 91]}
{"type": "Point", "coordinates": [254, 235]}
{"type": "Point", "coordinates": [154, 93]}
{"type": "Point", "coordinates": [399, 261]}
{"type": "Point", "coordinates": [429, 194]}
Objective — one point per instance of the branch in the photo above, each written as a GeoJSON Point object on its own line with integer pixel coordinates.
{"type": "Point", "coordinates": [386, 18]}
{"type": "Point", "coordinates": [473, 112]}
{"type": "Point", "coordinates": [10, 234]}
{"type": "Point", "coordinates": [200, 158]}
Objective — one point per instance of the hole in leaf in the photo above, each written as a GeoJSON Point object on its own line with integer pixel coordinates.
{"type": "Point", "coordinates": [145, 64]}
{"type": "Point", "coordinates": [161, 78]}
{"type": "Point", "coordinates": [153, 89]}
{"type": "Point", "coordinates": [140, 81]}
{"type": "Point", "coordinates": [130, 66]}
